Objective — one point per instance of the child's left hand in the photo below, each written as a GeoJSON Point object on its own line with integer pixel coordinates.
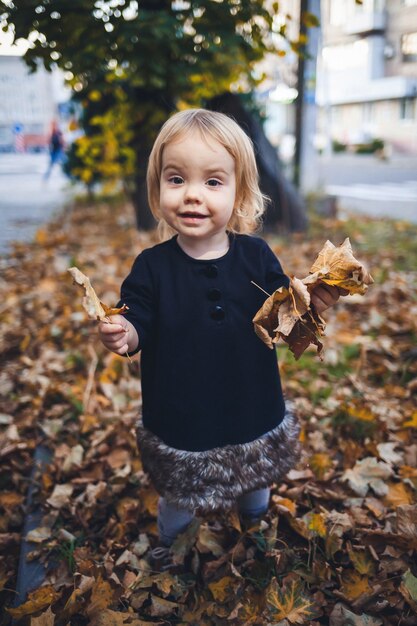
{"type": "Point", "coordinates": [324, 296]}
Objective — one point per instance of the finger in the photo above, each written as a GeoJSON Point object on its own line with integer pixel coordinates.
{"type": "Point", "coordinates": [115, 342]}
{"type": "Point", "coordinates": [329, 294]}
{"type": "Point", "coordinates": [332, 290]}
{"type": "Point", "coordinates": [110, 329]}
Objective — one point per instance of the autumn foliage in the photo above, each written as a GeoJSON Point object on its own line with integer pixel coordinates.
{"type": "Point", "coordinates": [338, 544]}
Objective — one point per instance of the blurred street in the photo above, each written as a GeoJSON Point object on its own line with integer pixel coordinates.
{"type": "Point", "coordinates": [368, 185]}
{"type": "Point", "coordinates": [26, 200]}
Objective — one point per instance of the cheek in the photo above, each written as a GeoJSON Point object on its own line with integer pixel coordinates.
{"type": "Point", "coordinates": [166, 197]}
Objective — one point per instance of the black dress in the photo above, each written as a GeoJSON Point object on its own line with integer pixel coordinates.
{"type": "Point", "coordinates": [214, 422]}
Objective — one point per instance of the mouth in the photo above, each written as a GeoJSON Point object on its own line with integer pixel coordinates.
{"type": "Point", "coordinates": [192, 215]}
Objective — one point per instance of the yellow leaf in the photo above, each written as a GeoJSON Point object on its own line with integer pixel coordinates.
{"type": "Point", "coordinates": [149, 500]}
{"type": "Point", "coordinates": [290, 602]}
{"type": "Point", "coordinates": [74, 603]}
{"type": "Point", "coordinates": [412, 421]}
{"type": "Point", "coordinates": [285, 504]}
{"type": "Point", "coordinates": [361, 561]}
{"type": "Point", "coordinates": [10, 499]}
{"type": "Point", "coordinates": [37, 600]}
{"type": "Point", "coordinates": [316, 523]}
{"type": "Point", "coordinates": [320, 463]}
{"type": "Point", "coordinates": [41, 236]}
{"type": "Point", "coordinates": [222, 589]}
{"type": "Point", "coordinates": [397, 495]}
{"type": "Point", "coordinates": [101, 596]}
{"type": "Point", "coordinates": [361, 413]}
{"type": "Point", "coordinates": [354, 585]}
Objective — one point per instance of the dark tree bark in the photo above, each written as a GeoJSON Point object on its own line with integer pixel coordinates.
{"type": "Point", "coordinates": [143, 146]}
{"type": "Point", "coordinates": [287, 210]}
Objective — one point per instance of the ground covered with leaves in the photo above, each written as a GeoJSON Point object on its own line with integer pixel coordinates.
{"type": "Point", "coordinates": [338, 544]}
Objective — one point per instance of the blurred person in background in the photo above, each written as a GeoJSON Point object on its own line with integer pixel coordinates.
{"type": "Point", "coordinates": [56, 148]}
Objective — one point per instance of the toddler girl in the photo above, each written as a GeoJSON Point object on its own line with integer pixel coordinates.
{"type": "Point", "coordinates": [215, 429]}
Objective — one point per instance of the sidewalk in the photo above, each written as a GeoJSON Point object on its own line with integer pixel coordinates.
{"type": "Point", "coordinates": [26, 200]}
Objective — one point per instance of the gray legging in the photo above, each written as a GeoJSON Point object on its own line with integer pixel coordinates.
{"type": "Point", "coordinates": [172, 521]}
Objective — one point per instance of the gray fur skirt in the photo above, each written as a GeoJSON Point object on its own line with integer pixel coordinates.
{"type": "Point", "coordinates": [212, 480]}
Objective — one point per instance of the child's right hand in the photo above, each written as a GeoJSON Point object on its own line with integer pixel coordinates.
{"type": "Point", "coordinates": [119, 335]}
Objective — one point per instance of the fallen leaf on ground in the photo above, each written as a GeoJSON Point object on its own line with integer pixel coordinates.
{"type": "Point", "coordinates": [37, 600]}
{"type": "Point", "coordinates": [290, 602]}
{"type": "Point", "coordinates": [46, 619]}
{"type": "Point", "coordinates": [368, 473]}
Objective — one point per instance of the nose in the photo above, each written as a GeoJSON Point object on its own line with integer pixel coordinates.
{"type": "Point", "coordinates": [192, 193]}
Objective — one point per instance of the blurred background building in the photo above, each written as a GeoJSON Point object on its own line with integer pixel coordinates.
{"type": "Point", "coordinates": [367, 74]}
{"type": "Point", "coordinates": [29, 102]}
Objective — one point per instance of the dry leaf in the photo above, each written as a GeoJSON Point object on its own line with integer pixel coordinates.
{"type": "Point", "coordinates": [37, 600]}
{"type": "Point", "coordinates": [407, 522]}
{"type": "Point", "coordinates": [387, 453]}
{"type": "Point", "coordinates": [361, 560]}
{"type": "Point", "coordinates": [60, 496]}
{"type": "Point", "coordinates": [223, 588]}
{"type": "Point", "coordinates": [354, 585]}
{"type": "Point", "coordinates": [341, 616]}
{"type": "Point", "coordinates": [289, 602]}
{"type": "Point", "coordinates": [315, 522]}
{"type": "Point", "coordinates": [368, 473]}
{"type": "Point", "coordinates": [161, 607]}
{"type": "Point", "coordinates": [46, 619]}
{"type": "Point", "coordinates": [408, 589]}
{"type": "Point", "coordinates": [40, 534]}
{"type": "Point", "coordinates": [101, 597]}
{"type": "Point", "coordinates": [398, 495]}
{"type": "Point", "coordinates": [320, 463]}
{"type": "Point", "coordinates": [96, 309]}
{"type": "Point", "coordinates": [288, 314]}
{"type": "Point", "coordinates": [338, 266]}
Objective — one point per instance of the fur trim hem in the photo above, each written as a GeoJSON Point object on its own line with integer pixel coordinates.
{"type": "Point", "coordinates": [212, 480]}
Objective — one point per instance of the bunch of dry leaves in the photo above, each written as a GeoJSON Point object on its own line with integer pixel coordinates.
{"type": "Point", "coordinates": [338, 545]}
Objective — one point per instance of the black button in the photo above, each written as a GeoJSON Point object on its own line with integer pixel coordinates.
{"type": "Point", "coordinates": [211, 271]}
{"type": "Point", "coordinates": [214, 294]}
{"type": "Point", "coordinates": [218, 313]}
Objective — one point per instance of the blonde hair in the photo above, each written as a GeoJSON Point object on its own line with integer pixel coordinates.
{"type": "Point", "coordinates": [249, 201]}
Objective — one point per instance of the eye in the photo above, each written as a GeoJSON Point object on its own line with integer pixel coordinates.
{"type": "Point", "coordinates": [176, 180]}
{"type": "Point", "coordinates": [213, 182]}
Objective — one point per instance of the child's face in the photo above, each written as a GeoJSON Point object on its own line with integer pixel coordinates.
{"type": "Point", "coordinates": [198, 188]}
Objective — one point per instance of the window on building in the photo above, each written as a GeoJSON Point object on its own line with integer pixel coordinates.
{"type": "Point", "coordinates": [409, 47]}
{"type": "Point", "coordinates": [407, 108]}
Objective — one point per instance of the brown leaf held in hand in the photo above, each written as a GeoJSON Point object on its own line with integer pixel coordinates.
{"type": "Point", "coordinates": [96, 310]}
{"type": "Point", "coordinates": [288, 314]}
{"type": "Point", "coordinates": [338, 266]}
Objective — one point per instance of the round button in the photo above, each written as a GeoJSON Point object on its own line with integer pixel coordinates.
{"type": "Point", "coordinates": [214, 294]}
{"type": "Point", "coordinates": [211, 271]}
{"type": "Point", "coordinates": [218, 313]}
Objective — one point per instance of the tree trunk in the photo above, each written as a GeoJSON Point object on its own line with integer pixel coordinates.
{"type": "Point", "coordinates": [139, 196]}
